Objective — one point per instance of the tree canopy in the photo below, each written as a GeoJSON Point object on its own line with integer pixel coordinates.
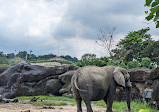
{"type": "Point", "coordinates": [153, 13]}
{"type": "Point", "coordinates": [132, 46]}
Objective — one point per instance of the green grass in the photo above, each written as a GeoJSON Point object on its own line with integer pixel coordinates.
{"type": "Point", "coordinates": [47, 100]}
{"type": "Point", "coordinates": [59, 101]}
{"type": "Point", "coordinates": [41, 61]}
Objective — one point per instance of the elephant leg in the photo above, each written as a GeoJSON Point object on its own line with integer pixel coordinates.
{"type": "Point", "coordinates": [88, 105]}
{"type": "Point", "coordinates": [109, 105]}
{"type": "Point", "coordinates": [79, 107]}
{"type": "Point", "coordinates": [105, 100]}
{"type": "Point", "coordinates": [110, 98]}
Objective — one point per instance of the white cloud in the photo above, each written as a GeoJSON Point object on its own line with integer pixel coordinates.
{"type": "Point", "coordinates": [78, 46]}
{"type": "Point", "coordinates": [2, 15]}
{"type": "Point", "coordinates": [155, 37]}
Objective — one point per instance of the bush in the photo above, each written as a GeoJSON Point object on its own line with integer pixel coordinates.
{"type": "Point", "coordinates": [4, 60]}
{"type": "Point", "coordinates": [133, 64]}
{"type": "Point", "coordinates": [145, 62]}
{"type": "Point", "coordinates": [99, 62]}
{"type": "Point", "coordinates": [122, 65]}
{"type": "Point", "coordinates": [112, 62]}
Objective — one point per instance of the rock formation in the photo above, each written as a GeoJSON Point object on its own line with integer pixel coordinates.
{"type": "Point", "coordinates": [24, 79]}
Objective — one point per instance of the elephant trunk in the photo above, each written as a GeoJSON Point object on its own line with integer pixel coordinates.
{"type": "Point", "coordinates": [129, 98]}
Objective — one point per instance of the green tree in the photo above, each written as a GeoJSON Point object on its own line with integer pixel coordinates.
{"type": "Point", "coordinates": [152, 51]}
{"type": "Point", "coordinates": [69, 58]}
{"type": "Point", "coordinates": [45, 57]}
{"type": "Point", "coordinates": [10, 56]}
{"type": "Point", "coordinates": [132, 46]}
{"type": "Point", "coordinates": [22, 54]}
{"type": "Point", "coordinates": [153, 13]}
{"type": "Point", "coordinates": [88, 57]}
{"type": "Point", "coordinates": [2, 54]}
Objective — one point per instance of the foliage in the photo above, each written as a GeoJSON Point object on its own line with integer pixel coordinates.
{"type": "Point", "coordinates": [10, 56]}
{"type": "Point", "coordinates": [22, 54]}
{"type": "Point", "coordinates": [88, 57]}
{"type": "Point", "coordinates": [152, 51]}
{"type": "Point", "coordinates": [153, 13]}
{"type": "Point", "coordinates": [123, 65]}
{"type": "Point", "coordinates": [132, 46]}
{"type": "Point", "coordinates": [9, 62]}
{"type": "Point", "coordinates": [133, 64]}
{"type": "Point", "coordinates": [112, 62]}
{"type": "Point", "coordinates": [99, 62]}
{"type": "Point", "coordinates": [3, 60]}
{"type": "Point", "coordinates": [146, 62]}
{"type": "Point", "coordinates": [69, 58]}
{"type": "Point", "coordinates": [45, 57]}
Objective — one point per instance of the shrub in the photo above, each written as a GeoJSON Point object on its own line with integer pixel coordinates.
{"type": "Point", "coordinates": [99, 62]}
{"type": "Point", "coordinates": [133, 64]}
{"type": "Point", "coordinates": [145, 62]}
{"type": "Point", "coordinates": [122, 65]}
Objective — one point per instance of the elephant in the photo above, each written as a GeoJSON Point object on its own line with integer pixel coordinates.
{"type": "Point", "coordinates": [92, 83]}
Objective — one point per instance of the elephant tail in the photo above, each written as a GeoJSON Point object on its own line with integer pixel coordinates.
{"type": "Point", "coordinates": [75, 83]}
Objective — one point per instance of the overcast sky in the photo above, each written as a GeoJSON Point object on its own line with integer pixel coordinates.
{"type": "Point", "coordinates": [73, 25]}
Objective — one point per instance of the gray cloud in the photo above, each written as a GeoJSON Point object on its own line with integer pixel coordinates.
{"type": "Point", "coordinates": [40, 24]}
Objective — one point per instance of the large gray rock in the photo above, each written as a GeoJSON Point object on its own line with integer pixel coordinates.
{"type": "Point", "coordinates": [25, 79]}
{"type": "Point", "coordinates": [154, 75]}
{"type": "Point", "coordinates": [53, 86]}
{"type": "Point", "coordinates": [139, 74]}
{"type": "Point", "coordinates": [3, 68]}
{"type": "Point", "coordinates": [153, 82]}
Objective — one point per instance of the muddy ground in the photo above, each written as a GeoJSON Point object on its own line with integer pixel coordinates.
{"type": "Point", "coordinates": [30, 108]}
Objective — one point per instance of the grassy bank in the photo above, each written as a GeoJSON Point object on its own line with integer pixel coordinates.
{"type": "Point", "coordinates": [60, 101]}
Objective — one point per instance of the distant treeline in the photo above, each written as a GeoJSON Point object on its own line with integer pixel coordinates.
{"type": "Point", "coordinates": [30, 56]}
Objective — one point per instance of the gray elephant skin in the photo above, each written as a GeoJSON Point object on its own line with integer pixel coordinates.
{"type": "Point", "coordinates": [93, 83]}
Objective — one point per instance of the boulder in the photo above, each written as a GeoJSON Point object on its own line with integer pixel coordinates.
{"type": "Point", "coordinates": [121, 94]}
{"type": "Point", "coordinates": [53, 86]}
{"type": "Point", "coordinates": [5, 76]}
{"type": "Point", "coordinates": [155, 95]}
{"type": "Point", "coordinates": [25, 79]}
{"type": "Point", "coordinates": [154, 75]}
{"type": "Point", "coordinates": [3, 68]}
{"type": "Point", "coordinates": [139, 74]}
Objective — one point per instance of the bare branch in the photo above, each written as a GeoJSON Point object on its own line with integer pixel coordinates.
{"type": "Point", "coordinates": [105, 39]}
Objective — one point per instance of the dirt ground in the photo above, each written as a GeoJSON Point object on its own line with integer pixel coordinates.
{"type": "Point", "coordinates": [31, 108]}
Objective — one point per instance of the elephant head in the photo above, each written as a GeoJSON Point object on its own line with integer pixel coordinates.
{"type": "Point", "coordinates": [122, 77]}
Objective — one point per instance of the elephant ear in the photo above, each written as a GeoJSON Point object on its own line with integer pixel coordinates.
{"type": "Point", "coordinates": [119, 77]}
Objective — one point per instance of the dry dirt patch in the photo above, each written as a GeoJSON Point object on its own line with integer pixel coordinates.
{"type": "Point", "coordinates": [31, 108]}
